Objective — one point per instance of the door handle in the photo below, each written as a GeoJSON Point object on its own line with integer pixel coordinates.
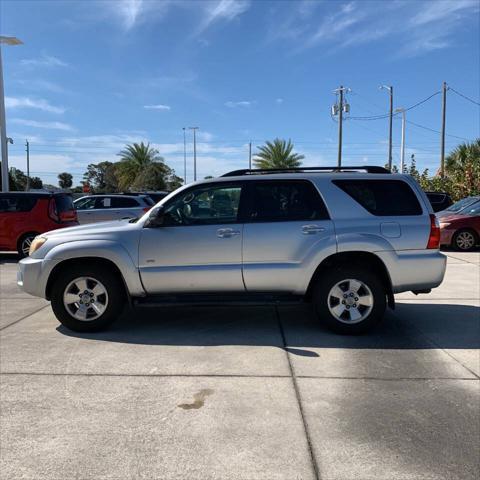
{"type": "Point", "coordinates": [227, 232]}
{"type": "Point", "coordinates": [312, 229]}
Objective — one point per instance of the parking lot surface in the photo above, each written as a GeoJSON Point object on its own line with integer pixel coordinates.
{"type": "Point", "coordinates": [244, 393]}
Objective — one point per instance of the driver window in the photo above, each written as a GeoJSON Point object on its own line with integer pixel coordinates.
{"type": "Point", "coordinates": [207, 205]}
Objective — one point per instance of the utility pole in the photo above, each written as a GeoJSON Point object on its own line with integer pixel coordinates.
{"type": "Point", "coordinates": [442, 140]}
{"type": "Point", "coordinates": [339, 109]}
{"type": "Point", "coordinates": [27, 145]}
{"type": "Point", "coordinates": [390, 131]}
{"type": "Point", "coordinates": [184, 156]}
{"type": "Point", "coordinates": [250, 156]}
{"type": "Point", "coordinates": [3, 130]}
{"type": "Point", "coordinates": [194, 152]}
{"type": "Point", "coordinates": [402, 147]}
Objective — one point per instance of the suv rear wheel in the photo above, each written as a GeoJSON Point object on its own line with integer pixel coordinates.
{"type": "Point", "coordinates": [87, 298]}
{"type": "Point", "coordinates": [349, 300]}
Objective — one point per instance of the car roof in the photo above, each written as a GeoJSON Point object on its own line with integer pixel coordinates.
{"type": "Point", "coordinates": [34, 194]}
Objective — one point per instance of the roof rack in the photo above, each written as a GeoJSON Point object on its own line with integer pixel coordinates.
{"type": "Point", "coordinates": [266, 171]}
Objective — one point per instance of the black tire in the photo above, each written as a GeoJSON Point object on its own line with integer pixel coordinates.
{"type": "Point", "coordinates": [23, 244]}
{"type": "Point", "coordinates": [334, 276]}
{"type": "Point", "coordinates": [464, 234]}
{"type": "Point", "coordinates": [114, 304]}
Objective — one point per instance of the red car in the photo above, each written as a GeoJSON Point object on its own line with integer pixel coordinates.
{"type": "Point", "coordinates": [461, 230]}
{"type": "Point", "coordinates": [23, 215]}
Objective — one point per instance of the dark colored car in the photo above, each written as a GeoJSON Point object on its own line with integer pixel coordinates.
{"type": "Point", "coordinates": [461, 230]}
{"type": "Point", "coordinates": [439, 200]}
{"type": "Point", "coordinates": [458, 206]}
{"type": "Point", "coordinates": [24, 215]}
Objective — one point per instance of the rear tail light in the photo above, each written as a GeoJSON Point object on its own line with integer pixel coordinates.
{"type": "Point", "coordinates": [434, 238]}
{"type": "Point", "coordinates": [52, 210]}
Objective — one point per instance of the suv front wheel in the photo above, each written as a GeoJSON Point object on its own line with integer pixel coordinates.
{"type": "Point", "coordinates": [349, 300]}
{"type": "Point", "coordinates": [87, 298]}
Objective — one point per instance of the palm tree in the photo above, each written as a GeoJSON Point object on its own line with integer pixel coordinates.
{"type": "Point", "coordinates": [462, 167]}
{"type": "Point", "coordinates": [277, 154]}
{"type": "Point", "coordinates": [134, 159]}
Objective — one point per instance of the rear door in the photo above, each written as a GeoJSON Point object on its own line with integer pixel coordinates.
{"type": "Point", "coordinates": [85, 208]}
{"type": "Point", "coordinates": [126, 207]}
{"type": "Point", "coordinates": [286, 226]}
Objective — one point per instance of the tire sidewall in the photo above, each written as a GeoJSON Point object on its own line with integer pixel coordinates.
{"type": "Point", "coordinates": [475, 239]}
{"type": "Point", "coordinates": [111, 282]}
{"type": "Point", "coordinates": [331, 278]}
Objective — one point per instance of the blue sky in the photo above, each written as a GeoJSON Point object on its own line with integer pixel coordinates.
{"type": "Point", "coordinates": [94, 75]}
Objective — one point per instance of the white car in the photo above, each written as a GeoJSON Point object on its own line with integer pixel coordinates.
{"type": "Point", "coordinates": [102, 208]}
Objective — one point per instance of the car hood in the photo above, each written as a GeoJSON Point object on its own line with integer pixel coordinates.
{"type": "Point", "coordinates": [92, 229]}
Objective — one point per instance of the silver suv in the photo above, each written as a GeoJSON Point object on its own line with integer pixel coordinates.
{"type": "Point", "coordinates": [343, 239]}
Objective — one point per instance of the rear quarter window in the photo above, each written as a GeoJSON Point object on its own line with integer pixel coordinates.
{"type": "Point", "coordinates": [64, 203]}
{"type": "Point", "coordinates": [382, 197]}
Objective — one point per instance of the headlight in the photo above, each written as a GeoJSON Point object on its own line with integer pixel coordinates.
{"type": "Point", "coordinates": [36, 244]}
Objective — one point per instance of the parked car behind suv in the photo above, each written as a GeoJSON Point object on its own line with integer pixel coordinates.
{"type": "Point", "coordinates": [102, 208]}
{"type": "Point", "coordinates": [458, 206]}
{"type": "Point", "coordinates": [461, 230]}
{"type": "Point", "coordinates": [343, 239]}
{"type": "Point", "coordinates": [24, 215]}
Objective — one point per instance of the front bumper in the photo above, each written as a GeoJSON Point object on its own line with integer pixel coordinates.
{"type": "Point", "coordinates": [33, 273]}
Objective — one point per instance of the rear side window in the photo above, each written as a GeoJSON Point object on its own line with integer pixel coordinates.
{"type": "Point", "coordinates": [119, 202]}
{"type": "Point", "coordinates": [16, 203]}
{"type": "Point", "coordinates": [382, 197]}
{"type": "Point", "coordinates": [64, 203]}
{"type": "Point", "coordinates": [284, 201]}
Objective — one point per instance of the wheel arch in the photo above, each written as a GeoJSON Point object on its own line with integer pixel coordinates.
{"type": "Point", "coordinates": [25, 234]}
{"type": "Point", "coordinates": [367, 259]}
{"type": "Point", "coordinates": [97, 261]}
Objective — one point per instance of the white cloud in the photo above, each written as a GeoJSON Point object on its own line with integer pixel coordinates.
{"type": "Point", "coordinates": [205, 136]}
{"type": "Point", "coordinates": [157, 107]}
{"type": "Point", "coordinates": [44, 165]}
{"type": "Point", "coordinates": [131, 13]}
{"type": "Point", "coordinates": [26, 102]}
{"type": "Point", "coordinates": [439, 11]}
{"type": "Point", "coordinates": [279, 101]}
{"type": "Point", "coordinates": [44, 61]}
{"type": "Point", "coordinates": [47, 125]}
{"type": "Point", "coordinates": [225, 10]}
{"type": "Point", "coordinates": [241, 103]}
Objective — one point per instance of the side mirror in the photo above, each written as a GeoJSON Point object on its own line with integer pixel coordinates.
{"type": "Point", "coordinates": [156, 217]}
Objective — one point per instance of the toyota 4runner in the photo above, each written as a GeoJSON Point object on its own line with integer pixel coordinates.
{"type": "Point", "coordinates": [344, 239]}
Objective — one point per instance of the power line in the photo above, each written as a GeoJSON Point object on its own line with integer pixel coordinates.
{"type": "Point", "coordinates": [379, 117]}
{"type": "Point", "coordinates": [437, 131]}
{"type": "Point", "coordinates": [464, 96]}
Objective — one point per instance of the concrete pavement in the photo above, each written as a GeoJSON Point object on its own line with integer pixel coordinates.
{"type": "Point", "coordinates": [245, 393]}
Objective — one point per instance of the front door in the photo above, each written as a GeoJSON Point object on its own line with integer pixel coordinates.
{"type": "Point", "coordinates": [199, 246]}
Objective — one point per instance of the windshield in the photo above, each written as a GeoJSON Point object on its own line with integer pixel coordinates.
{"type": "Point", "coordinates": [472, 210]}
{"type": "Point", "coordinates": [464, 202]}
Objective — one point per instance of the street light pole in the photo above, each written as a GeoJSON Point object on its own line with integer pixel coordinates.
{"type": "Point", "coordinates": [27, 145]}
{"type": "Point", "coordinates": [390, 131]}
{"type": "Point", "coordinates": [184, 156]}
{"type": "Point", "coordinates": [402, 147]}
{"type": "Point", "coordinates": [3, 128]}
{"type": "Point", "coordinates": [194, 152]}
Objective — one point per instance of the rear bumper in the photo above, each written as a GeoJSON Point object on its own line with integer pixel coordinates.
{"type": "Point", "coordinates": [33, 273]}
{"type": "Point", "coordinates": [414, 269]}
{"type": "Point", "coordinates": [446, 236]}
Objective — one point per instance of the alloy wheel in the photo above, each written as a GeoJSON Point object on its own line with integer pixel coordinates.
{"type": "Point", "coordinates": [350, 301]}
{"type": "Point", "coordinates": [85, 298]}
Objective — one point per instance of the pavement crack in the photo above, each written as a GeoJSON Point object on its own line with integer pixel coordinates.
{"type": "Point", "coordinates": [298, 396]}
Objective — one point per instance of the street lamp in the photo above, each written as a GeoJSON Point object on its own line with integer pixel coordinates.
{"type": "Point", "coordinates": [3, 129]}
{"type": "Point", "coordinates": [194, 152]}
{"type": "Point", "coordinates": [390, 90]}
{"type": "Point", "coordinates": [402, 148]}
{"type": "Point", "coordinates": [184, 156]}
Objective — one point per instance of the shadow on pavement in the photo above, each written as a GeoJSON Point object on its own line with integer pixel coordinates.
{"type": "Point", "coordinates": [11, 257]}
{"type": "Point", "coordinates": [446, 326]}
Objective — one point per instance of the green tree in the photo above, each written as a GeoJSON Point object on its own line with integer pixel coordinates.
{"type": "Point", "coordinates": [101, 177]}
{"type": "Point", "coordinates": [277, 154]}
{"type": "Point", "coordinates": [134, 159]}
{"type": "Point", "coordinates": [462, 168]}
{"type": "Point", "coordinates": [65, 180]}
